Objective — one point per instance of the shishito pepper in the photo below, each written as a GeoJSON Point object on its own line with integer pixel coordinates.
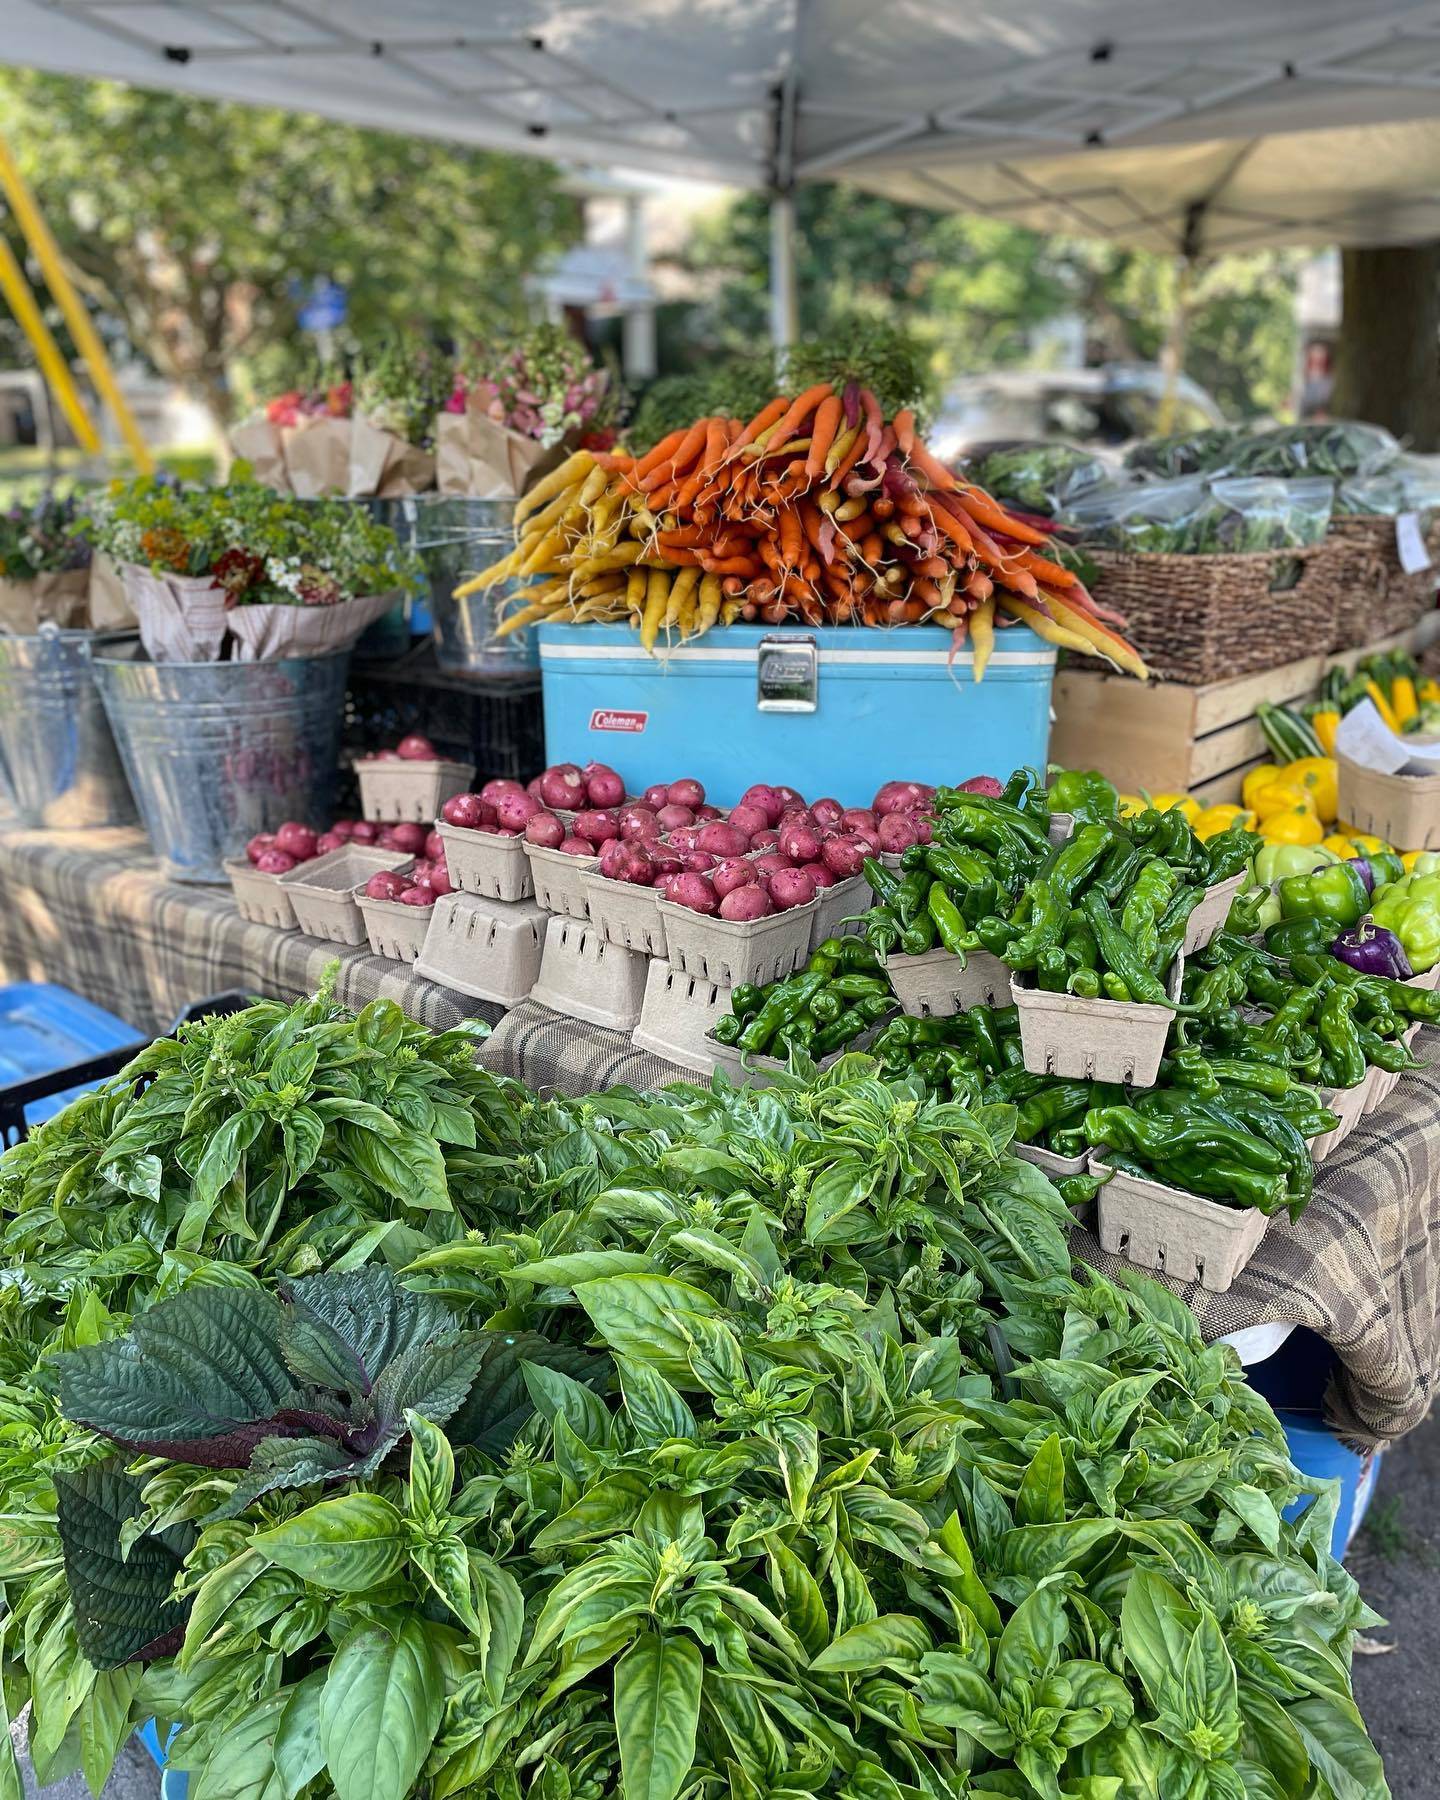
{"type": "Point", "coordinates": [1119, 955]}
{"type": "Point", "coordinates": [785, 1003]}
{"type": "Point", "coordinates": [1339, 1038]}
{"type": "Point", "coordinates": [1085, 794]}
{"type": "Point", "coordinates": [1336, 893]}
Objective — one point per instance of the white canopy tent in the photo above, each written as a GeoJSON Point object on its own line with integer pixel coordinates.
{"type": "Point", "coordinates": [1223, 125]}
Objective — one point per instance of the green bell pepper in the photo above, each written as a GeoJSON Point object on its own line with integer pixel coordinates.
{"type": "Point", "coordinates": [1085, 794]}
{"type": "Point", "coordinates": [1415, 920]}
{"type": "Point", "coordinates": [1336, 893]}
{"type": "Point", "coordinates": [1300, 936]}
{"type": "Point", "coordinates": [1277, 862]}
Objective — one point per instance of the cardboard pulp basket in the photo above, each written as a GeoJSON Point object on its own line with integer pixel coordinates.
{"type": "Point", "coordinates": [394, 929]}
{"type": "Point", "coordinates": [677, 1015]}
{"type": "Point", "coordinates": [489, 863]}
{"type": "Point", "coordinates": [559, 880]}
{"type": "Point", "coordinates": [834, 906]}
{"type": "Point", "coordinates": [1174, 1232]}
{"type": "Point", "coordinates": [397, 793]}
{"type": "Point", "coordinates": [760, 1071]}
{"type": "Point", "coordinates": [625, 915]}
{"type": "Point", "coordinates": [730, 952]}
{"type": "Point", "coordinates": [935, 986]}
{"type": "Point", "coordinates": [1056, 1167]}
{"type": "Point", "coordinates": [1094, 1040]}
{"type": "Point", "coordinates": [1349, 1105]}
{"type": "Point", "coordinates": [1208, 918]}
{"type": "Point", "coordinates": [585, 975]}
{"type": "Point", "coordinates": [1383, 1082]}
{"type": "Point", "coordinates": [487, 949]}
{"type": "Point", "coordinates": [1404, 810]}
{"type": "Point", "coordinates": [259, 897]}
{"type": "Point", "coordinates": [322, 891]}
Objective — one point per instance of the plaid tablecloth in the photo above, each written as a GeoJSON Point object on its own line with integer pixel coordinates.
{"type": "Point", "coordinates": [94, 914]}
{"type": "Point", "coordinates": [1361, 1268]}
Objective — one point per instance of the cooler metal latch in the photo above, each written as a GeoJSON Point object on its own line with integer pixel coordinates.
{"type": "Point", "coordinates": [787, 675]}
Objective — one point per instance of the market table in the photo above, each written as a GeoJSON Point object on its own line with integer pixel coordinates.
{"type": "Point", "coordinates": [1361, 1268]}
{"type": "Point", "coordinates": [94, 914]}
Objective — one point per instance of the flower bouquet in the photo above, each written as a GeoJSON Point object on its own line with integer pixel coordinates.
{"type": "Point", "coordinates": [516, 410]}
{"type": "Point", "coordinates": [243, 574]}
{"type": "Point", "coordinates": [44, 567]}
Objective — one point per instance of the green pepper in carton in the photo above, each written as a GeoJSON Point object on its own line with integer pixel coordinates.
{"type": "Point", "coordinates": [1336, 893]}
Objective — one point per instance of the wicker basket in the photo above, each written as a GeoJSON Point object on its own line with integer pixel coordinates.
{"type": "Point", "coordinates": [1377, 597]}
{"type": "Point", "coordinates": [1206, 618]}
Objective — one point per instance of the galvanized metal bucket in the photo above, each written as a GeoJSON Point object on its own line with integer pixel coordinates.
{"type": "Point", "coordinates": [456, 539]}
{"type": "Point", "coordinates": [218, 751]}
{"type": "Point", "coordinates": [58, 761]}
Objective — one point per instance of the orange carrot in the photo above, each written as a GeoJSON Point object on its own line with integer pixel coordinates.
{"type": "Point", "coordinates": [828, 417]}
{"type": "Point", "coordinates": [1044, 570]}
{"type": "Point", "coordinates": [984, 511]}
{"type": "Point", "coordinates": [905, 431]}
{"type": "Point", "coordinates": [800, 410]}
{"type": "Point", "coordinates": [652, 459]}
{"type": "Point", "coordinates": [763, 420]}
{"type": "Point", "coordinates": [684, 454]}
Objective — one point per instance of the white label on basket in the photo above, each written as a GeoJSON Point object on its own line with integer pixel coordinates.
{"type": "Point", "coordinates": [1410, 543]}
{"type": "Point", "coordinates": [604, 720]}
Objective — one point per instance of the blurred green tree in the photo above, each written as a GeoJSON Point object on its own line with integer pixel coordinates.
{"type": "Point", "coordinates": [192, 225]}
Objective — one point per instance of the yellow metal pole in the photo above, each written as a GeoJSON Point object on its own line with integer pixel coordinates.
{"type": "Point", "coordinates": [53, 366]}
{"type": "Point", "coordinates": [87, 339]}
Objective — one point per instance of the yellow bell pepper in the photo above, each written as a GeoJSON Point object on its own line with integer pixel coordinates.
{"type": "Point", "coordinates": [1340, 844]}
{"type": "Point", "coordinates": [1181, 803]}
{"type": "Point", "coordinates": [1281, 796]}
{"type": "Point", "coordinates": [1320, 776]}
{"type": "Point", "coordinates": [1131, 805]}
{"type": "Point", "coordinates": [1216, 819]}
{"type": "Point", "coordinates": [1259, 777]}
{"type": "Point", "coordinates": [1297, 826]}
{"type": "Point", "coordinates": [1325, 724]}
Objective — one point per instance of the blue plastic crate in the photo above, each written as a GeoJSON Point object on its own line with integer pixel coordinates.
{"type": "Point", "coordinates": [44, 1027]}
{"type": "Point", "coordinates": [174, 1783]}
{"type": "Point", "coordinates": [891, 705]}
{"type": "Point", "coordinates": [1316, 1451]}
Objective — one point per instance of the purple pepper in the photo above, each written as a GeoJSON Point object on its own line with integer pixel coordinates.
{"type": "Point", "coordinates": [1361, 866]}
{"type": "Point", "coordinates": [1372, 950]}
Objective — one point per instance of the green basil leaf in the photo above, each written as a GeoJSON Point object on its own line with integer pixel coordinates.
{"type": "Point", "coordinates": [657, 1708]}
{"type": "Point", "coordinates": [344, 1545]}
{"type": "Point", "coordinates": [380, 1710]}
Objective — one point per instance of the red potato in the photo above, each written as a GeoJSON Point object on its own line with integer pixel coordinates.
{"type": "Point", "coordinates": [434, 844]}
{"type": "Point", "coordinates": [790, 888]}
{"type": "Point", "coordinates": [663, 861]}
{"type": "Point", "coordinates": [897, 832]}
{"type": "Point", "coordinates": [749, 818]}
{"type": "Point", "coordinates": [827, 811]}
{"type": "Point", "coordinates": [700, 862]}
{"type": "Point", "coordinates": [275, 862]}
{"type": "Point", "coordinates": [983, 784]}
{"type": "Point", "coordinates": [328, 841]}
{"type": "Point", "coordinates": [800, 842]}
{"type": "Point", "coordinates": [707, 811]}
{"type": "Point", "coordinates": [673, 815]}
{"type": "Point", "coordinates": [924, 828]}
{"type": "Point", "coordinates": [764, 840]}
{"type": "Point", "coordinates": [694, 891]}
{"type": "Point", "coordinates": [685, 792]}
{"type": "Point", "coordinates": [683, 839]}
{"type": "Point", "coordinates": [638, 822]}
{"type": "Point", "coordinates": [637, 870]}
{"type": "Point", "coordinates": [407, 837]}
{"type": "Point", "coordinates": [364, 831]}
{"type": "Point", "coordinates": [416, 748]}
{"type": "Point", "coordinates": [843, 856]}
{"type": "Point", "coordinates": [722, 839]}
{"type": "Point", "coordinates": [466, 809]}
{"type": "Point", "coordinates": [744, 904]}
{"type": "Point", "coordinates": [733, 873]}
{"type": "Point", "coordinates": [259, 844]}
{"type": "Point", "coordinates": [563, 785]}
{"type": "Point", "coordinates": [296, 840]}
{"type": "Point", "coordinates": [384, 756]}
{"type": "Point", "coordinates": [544, 829]}
{"type": "Point", "coordinates": [440, 882]}
{"type": "Point", "coordinates": [614, 854]}
{"type": "Point", "coordinates": [820, 875]}
{"type": "Point", "coordinates": [576, 846]}
{"type": "Point", "coordinates": [385, 884]}
{"type": "Point", "coordinates": [657, 795]}
{"type": "Point", "coordinates": [603, 787]}
{"type": "Point", "coordinates": [791, 796]}
{"type": "Point", "coordinates": [769, 800]}
{"type": "Point", "coordinates": [498, 786]}
{"type": "Point", "coordinates": [858, 818]}
{"type": "Point", "coordinates": [770, 862]}
{"type": "Point", "coordinates": [513, 812]}
{"type": "Point", "coordinates": [418, 896]}
{"type": "Point", "coordinates": [343, 828]}
{"type": "Point", "coordinates": [599, 827]}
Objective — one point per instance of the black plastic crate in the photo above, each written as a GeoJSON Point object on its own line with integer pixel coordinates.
{"type": "Point", "coordinates": [495, 722]}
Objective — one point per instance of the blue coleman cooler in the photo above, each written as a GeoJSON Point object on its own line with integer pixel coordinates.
{"type": "Point", "coordinates": [832, 711]}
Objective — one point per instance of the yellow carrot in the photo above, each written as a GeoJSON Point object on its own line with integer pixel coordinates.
{"type": "Point", "coordinates": [657, 596]}
{"type": "Point", "coordinates": [982, 634]}
{"type": "Point", "coordinates": [573, 469]}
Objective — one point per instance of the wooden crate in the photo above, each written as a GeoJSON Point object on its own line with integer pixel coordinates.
{"type": "Point", "coordinates": [1167, 737]}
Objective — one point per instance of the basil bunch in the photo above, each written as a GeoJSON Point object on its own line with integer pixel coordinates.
{"type": "Point", "coordinates": [862, 1490]}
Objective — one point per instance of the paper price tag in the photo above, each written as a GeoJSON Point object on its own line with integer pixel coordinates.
{"type": "Point", "coordinates": [1410, 543]}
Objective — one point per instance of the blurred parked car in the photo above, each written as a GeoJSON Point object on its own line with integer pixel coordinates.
{"type": "Point", "coordinates": [1106, 408]}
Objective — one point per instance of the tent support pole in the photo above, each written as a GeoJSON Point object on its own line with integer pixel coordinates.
{"type": "Point", "coordinates": [16, 290]}
{"type": "Point", "coordinates": [784, 324]}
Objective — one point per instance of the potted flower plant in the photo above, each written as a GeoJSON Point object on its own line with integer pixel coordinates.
{"type": "Point", "coordinates": [44, 566]}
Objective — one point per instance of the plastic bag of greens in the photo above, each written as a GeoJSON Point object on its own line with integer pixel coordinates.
{"type": "Point", "coordinates": [1409, 484]}
{"type": "Point", "coordinates": [1337, 447]}
{"type": "Point", "coordinates": [1204, 516]}
{"type": "Point", "coordinates": [1040, 478]}
{"type": "Point", "coordinates": [1184, 453]}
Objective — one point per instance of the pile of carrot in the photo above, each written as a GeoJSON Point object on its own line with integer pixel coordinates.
{"type": "Point", "coordinates": [817, 509]}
